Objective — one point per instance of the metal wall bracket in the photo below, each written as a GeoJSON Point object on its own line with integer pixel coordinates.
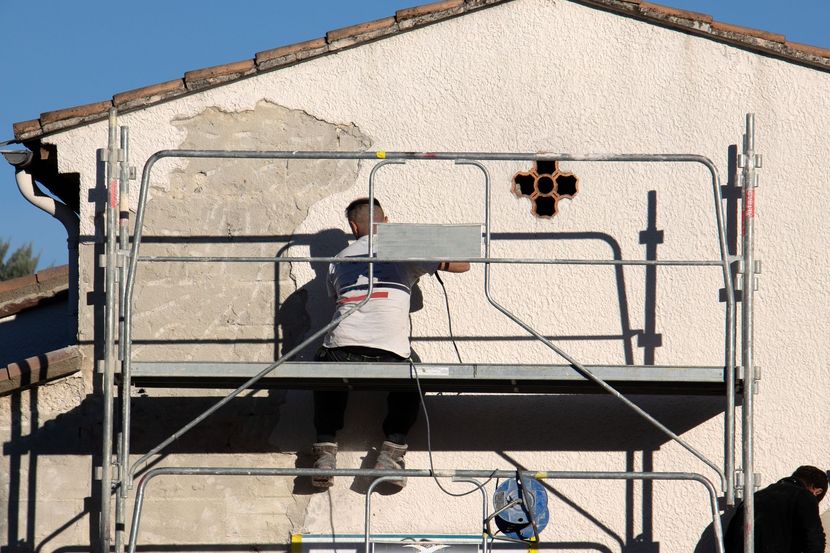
{"type": "Point", "coordinates": [740, 373]}
{"type": "Point", "coordinates": [739, 483]}
{"type": "Point", "coordinates": [117, 155]}
{"type": "Point", "coordinates": [740, 267]}
{"type": "Point", "coordinates": [121, 257]}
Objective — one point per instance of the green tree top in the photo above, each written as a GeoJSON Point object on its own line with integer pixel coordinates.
{"type": "Point", "coordinates": [20, 263]}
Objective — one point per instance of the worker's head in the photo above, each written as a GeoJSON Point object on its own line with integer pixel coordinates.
{"type": "Point", "coordinates": [357, 214]}
{"type": "Point", "coordinates": [814, 479]}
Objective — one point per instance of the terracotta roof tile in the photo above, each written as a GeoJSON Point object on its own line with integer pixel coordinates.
{"type": "Point", "coordinates": [19, 294]}
{"type": "Point", "coordinates": [218, 74]}
{"type": "Point", "coordinates": [659, 9]}
{"type": "Point", "coordinates": [426, 9]}
{"type": "Point", "coordinates": [290, 54]}
{"type": "Point", "coordinates": [27, 129]}
{"type": "Point", "coordinates": [697, 23]}
{"type": "Point", "coordinates": [60, 273]}
{"type": "Point", "coordinates": [40, 369]}
{"type": "Point", "coordinates": [363, 32]}
{"type": "Point", "coordinates": [69, 117]}
{"type": "Point", "coordinates": [738, 30]}
{"type": "Point", "coordinates": [149, 94]}
{"type": "Point", "coordinates": [812, 50]}
{"type": "Point", "coordinates": [420, 15]}
{"type": "Point", "coordinates": [15, 284]}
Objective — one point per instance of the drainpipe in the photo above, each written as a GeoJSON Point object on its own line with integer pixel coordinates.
{"type": "Point", "coordinates": [20, 160]}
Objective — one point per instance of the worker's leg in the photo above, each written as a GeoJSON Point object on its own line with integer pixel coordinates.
{"type": "Point", "coordinates": [402, 412]}
{"type": "Point", "coordinates": [329, 412]}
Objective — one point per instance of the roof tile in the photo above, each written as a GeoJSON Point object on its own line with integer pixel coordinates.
{"type": "Point", "coordinates": [19, 294]}
{"type": "Point", "coordinates": [40, 369]}
{"type": "Point", "coordinates": [426, 9]}
{"type": "Point", "coordinates": [808, 49]}
{"type": "Point", "coordinates": [27, 129]}
{"type": "Point", "coordinates": [289, 54]}
{"type": "Point", "coordinates": [53, 273]}
{"type": "Point", "coordinates": [218, 74]}
{"type": "Point", "coordinates": [62, 118]}
{"type": "Point", "coordinates": [738, 30]}
{"type": "Point", "coordinates": [659, 9]}
{"type": "Point", "coordinates": [697, 23]}
{"type": "Point", "coordinates": [348, 36]}
{"type": "Point", "coordinates": [428, 13]}
{"type": "Point", "coordinates": [149, 94]}
{"type": "Point", "coordinates": [12, 377]}
{"type": "Point", "coordinates": [19, 283]}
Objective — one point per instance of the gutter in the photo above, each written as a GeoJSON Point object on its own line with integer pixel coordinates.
{"type": "Point", "coordinates": [21, 160]}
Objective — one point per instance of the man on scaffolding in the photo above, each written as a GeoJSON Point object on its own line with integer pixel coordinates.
{"type": "Point", "coordinates": [378, 332]}
{"type": "Point", "coordinates": [786, 516]}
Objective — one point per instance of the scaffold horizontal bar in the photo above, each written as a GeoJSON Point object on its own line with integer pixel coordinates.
{"type": "Point", "coordinates": [472, 377]}
{"type": "Point", "coordinates": [482, 260]}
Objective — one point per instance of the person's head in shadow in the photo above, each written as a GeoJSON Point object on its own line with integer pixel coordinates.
{"type": "Point", "coordinates": [786, 515]}
{"type": "Point", "coordinates": [310, 307]}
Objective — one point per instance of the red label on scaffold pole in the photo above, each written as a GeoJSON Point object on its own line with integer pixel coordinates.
{"type": "Point", "coordinates": [749, 208]}
{"type": "Point", "coordinates": [114, 193]}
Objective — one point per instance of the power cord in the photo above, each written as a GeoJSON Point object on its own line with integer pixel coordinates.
{"type": "Point", "coordinates": [449, 315]}
{"type": "Point", "coordinates": [477, 487]}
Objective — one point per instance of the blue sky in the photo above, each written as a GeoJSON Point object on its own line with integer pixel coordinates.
{"type": "Point", "coordinates": [60, 54]}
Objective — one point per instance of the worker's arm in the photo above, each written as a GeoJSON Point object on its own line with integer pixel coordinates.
{"type": "Point", "coordinates": [808, 523]}
{"type": "Point", "coordinates": [454, 266]}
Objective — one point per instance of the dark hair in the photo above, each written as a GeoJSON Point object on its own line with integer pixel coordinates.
{"type": "Point", "coordinates": [812, 476]}
{"type": "Point", "coordinates": [352, 208]}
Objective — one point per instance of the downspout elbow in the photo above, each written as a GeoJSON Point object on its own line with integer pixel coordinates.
{"type": "Point", "coordinates": [35, 196]}
{"type": "Point", "coordinates": [21, 159]}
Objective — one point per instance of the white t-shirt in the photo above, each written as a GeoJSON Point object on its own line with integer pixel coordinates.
{"type": "Point", "coordinates": [383, 322]}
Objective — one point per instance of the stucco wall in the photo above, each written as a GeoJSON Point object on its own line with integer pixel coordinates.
{"type": "Point", "coordinates": [531, 75]}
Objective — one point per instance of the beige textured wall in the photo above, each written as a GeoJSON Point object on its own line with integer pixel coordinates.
{"type": "Point", "coordinates": [531, 75]}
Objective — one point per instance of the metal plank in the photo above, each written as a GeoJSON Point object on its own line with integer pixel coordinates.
{"type": "Point", "coordinates": [428, 371]}
{"type": "Point", "coordinates": [419, 241]}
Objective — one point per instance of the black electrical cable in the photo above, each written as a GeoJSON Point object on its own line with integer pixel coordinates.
{"type": "Point", "coordinates": [429, 442]}
{"type": "Point", "coordinates": [424, 405]}
{"type": "Point", "coordinates": [449, 315]}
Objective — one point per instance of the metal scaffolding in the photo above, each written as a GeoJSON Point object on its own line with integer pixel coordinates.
{"type": "Point", "coordinates": [123, 258]}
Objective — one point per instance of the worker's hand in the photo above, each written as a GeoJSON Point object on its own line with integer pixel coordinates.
{"type": "Point", "coordinates": [454, 266]}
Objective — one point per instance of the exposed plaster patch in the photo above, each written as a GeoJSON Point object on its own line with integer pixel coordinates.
{"type": "Point", "coordinates": [236, 207]}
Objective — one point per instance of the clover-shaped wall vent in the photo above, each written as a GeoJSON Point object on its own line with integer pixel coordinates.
{"type": "Point", "coordinates": [545, 185]}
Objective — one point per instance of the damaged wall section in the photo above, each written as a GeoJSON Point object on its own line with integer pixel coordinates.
{"type": "Point", "coordinates": [235, 207]}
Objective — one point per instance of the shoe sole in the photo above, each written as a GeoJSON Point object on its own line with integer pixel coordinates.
{"type": "Point", "coordinates": [322, 481]}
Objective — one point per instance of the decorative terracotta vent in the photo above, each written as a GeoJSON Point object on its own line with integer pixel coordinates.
{"type": "Point", "coordinates": [545, 185]}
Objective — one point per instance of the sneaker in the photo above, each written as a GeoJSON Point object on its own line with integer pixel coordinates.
{"type": "Point", "coordinates": [391, 458]}
{"type": "Point", "coordinates": [325, 457]}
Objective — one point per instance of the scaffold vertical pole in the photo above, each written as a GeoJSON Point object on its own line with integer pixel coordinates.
{"type": "Point", "coordinates": [110, 268]}
{"type": "Point", "coordinates": [124, 393]}
{"type": "Point", "coordinates": [749, 161]}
